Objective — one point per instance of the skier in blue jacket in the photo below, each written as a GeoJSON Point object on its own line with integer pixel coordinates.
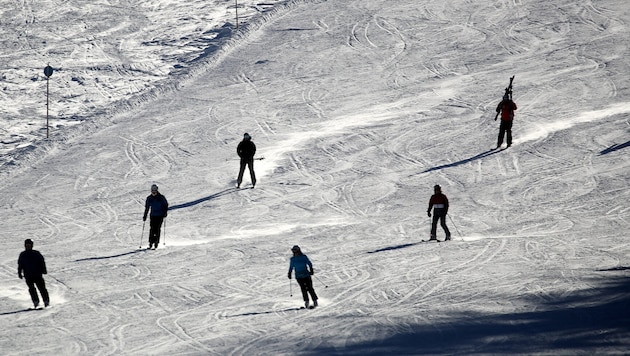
{"type": "Point", "coordinates": [303, 271]}
{"type": "Point", "coordinates": [158, 205]}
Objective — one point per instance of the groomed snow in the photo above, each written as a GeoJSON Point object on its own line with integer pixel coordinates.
{"type": "Point", "coordinates": [358, 107]}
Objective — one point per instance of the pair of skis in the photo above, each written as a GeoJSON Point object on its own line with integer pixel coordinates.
{"type": "Point", "coordinates": [434, 240]}
{"type": "Point", "coordinates": [508, 92]}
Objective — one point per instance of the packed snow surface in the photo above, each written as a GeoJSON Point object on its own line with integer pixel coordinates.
{"type": "Point", "coordinates": [358, 108]}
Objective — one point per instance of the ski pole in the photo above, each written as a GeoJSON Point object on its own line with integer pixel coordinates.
{"type": "Point", "coordinates": [238, 159]}
{"type": "Point", "coordinates": [320, 281]}
{"type": "Point", "coordinates": [456, 229]}
{"type": "Point", "coordinates": [164, 222]}
{"type": "Point", "coordinates": [144, 223]}
{"type": "Point", "coordinates": [290, 288]}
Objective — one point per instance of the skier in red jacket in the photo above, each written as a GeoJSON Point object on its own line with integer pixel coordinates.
{"type": "Point", "coordinates": [507, 108]}
{"type": "Point", "coordinates": [439, 203]}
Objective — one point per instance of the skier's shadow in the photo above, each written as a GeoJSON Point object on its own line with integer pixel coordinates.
{"type": "Point", "coordinates": [18, 311]}
{"type": "Point", "coordinates": [179, 206]}
{"type": "Point", "coordinates": [618, 268]}
{"type": "Point", "coordinates": [464, 161]}
{"type": "Point", "coordinates": [262, 313]}
{"type": "Point", "coordinates": [614, 148]}
{"type": "Point", "coordinates": [390, 248]}
{"type": "Point", "coordinates": [107, 257]}
{"type": "Point", "coordinates": [204, 199]}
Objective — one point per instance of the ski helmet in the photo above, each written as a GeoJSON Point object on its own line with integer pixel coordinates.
{"type": "Point", "coordinates": [28, 242]}
{"type": "Point", "coordinates": [437, 188]}
{"type": "Point", "coordinates": [296, 248]}
{"type": "Point", "coordinates": [154, 188]}
{"type": "Point", "coordinates": [246, 136]}
{"type": "Point", "coordinates": [506, 97]}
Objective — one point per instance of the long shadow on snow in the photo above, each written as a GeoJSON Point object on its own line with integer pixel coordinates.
{"type": "Point", "coordinates": [112, 256]}
{"type": "Point", "coordinates": [179, 206]}
{"type": "Point", "coordinates": [262, 313]}
{"type": "Point", "coordinates": [201, 200]}
{"type": "Point", "coordinates": [390, 248]}
{"type": "Point", "coordinates": [591, 321]}
{"type": "Point", "coordinates": [614, 148]}
{"type": "Point", "coordinates": [19, 311]}
{"type": "Point", "coordinates": [464, 161]}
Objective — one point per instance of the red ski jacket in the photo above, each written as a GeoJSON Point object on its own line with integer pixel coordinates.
{"type": "Point", "coordinates": [507, 108]}
{"type": "Point", "coordinates": [438, 201]}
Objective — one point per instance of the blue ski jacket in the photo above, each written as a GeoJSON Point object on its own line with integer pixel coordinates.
{"type": "Point", "coordinates": [157, 204]}
{"type": "Point", "coordinates": [302, 265]}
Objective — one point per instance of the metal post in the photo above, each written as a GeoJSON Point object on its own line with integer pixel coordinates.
{"type": "Point", "coordinates": [236, 4]}
{"type": "Point", "coordinates": [48, 71]}
{"type": "Point", "coordinates": [47, 102]}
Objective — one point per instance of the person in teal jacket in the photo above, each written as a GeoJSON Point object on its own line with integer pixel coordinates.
{"type": "Point", "coordinates": [303, 271]}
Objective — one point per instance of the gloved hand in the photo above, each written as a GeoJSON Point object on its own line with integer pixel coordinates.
{"type": "Point", "coordinates": [311, 272]}
{"type": "Point", "coordinates": [429, 213]}
{"type": "Point", "coordinates": [20, 275]}
{"type": "Point", "coordinates": [289, 275]}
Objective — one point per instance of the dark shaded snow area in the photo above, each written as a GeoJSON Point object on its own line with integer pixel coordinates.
{"type": "Point", "coordinates": [358, 108]}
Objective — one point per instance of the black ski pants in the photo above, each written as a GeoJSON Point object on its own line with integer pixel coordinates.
{"type": "Point", "coordinates": [38, 281]}
{"type": "Point", "coordinates": [155, 229]}
{"type": "Point", "coordinates": [439, 215]}
{"type": "Point", "coordinates": [505, 129]}
{"type": "Point", "coordinates": [246, 162]}
{"type": "Point", "coordinates": [306, 285]}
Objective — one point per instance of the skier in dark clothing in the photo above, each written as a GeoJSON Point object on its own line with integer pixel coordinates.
{"type": "Point", "coordinates": [506, 107]}
{"type": "Point", "coordinates": [439, 203]}
{"type": "Point", "coordinates": [246, 150]}
{"type": "Point", "coordinates": [303, 272]}
{"type": "Point", "coordinates": [158, 205]}
{"type": "Point", "coordinates": [31, 267]}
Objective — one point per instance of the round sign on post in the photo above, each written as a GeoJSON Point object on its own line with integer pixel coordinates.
{"type": "Point", "coordinates": [48, 71]}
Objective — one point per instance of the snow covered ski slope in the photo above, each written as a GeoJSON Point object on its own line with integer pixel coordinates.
{"type": "Point", "coordinates": [359, 107]}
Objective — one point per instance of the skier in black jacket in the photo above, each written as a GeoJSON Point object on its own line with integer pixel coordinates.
{"type": "Point", "coordinates": [31, 267]}
{"type": "Point", "coordinates": [246, 149]}
{"type": "Point", "coordinates": [158, 205]}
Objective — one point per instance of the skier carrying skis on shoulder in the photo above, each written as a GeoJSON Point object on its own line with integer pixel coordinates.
{"type": "Point", "coordinates": [506, 107]}
{"type": "Point", "coordinates": [303, 271]}
{"type": "Point", "coordinates": [439, 203]}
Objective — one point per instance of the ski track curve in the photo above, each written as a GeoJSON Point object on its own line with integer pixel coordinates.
{"type": "Point", "coordinates": [379, 158]}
